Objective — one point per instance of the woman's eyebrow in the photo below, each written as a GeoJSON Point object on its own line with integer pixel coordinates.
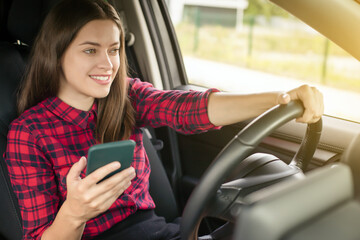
{"type": "Point", "coordinates": [97, 44]}
{"type": "Point", "coordinates": [89, 43]}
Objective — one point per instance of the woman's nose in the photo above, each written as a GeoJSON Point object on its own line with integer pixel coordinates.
{"type": "Point", "coordinates": [105, 62]}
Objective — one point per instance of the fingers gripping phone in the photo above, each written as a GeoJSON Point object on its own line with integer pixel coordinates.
{"type": "Point", "coordinates": [101, 154]}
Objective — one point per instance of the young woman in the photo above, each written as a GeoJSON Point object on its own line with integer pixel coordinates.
{"type": "Point", "coordinates": [76, 94]}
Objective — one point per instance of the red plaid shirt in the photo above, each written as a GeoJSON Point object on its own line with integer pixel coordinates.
{"type": "Point", "coordinates": [46, 140]}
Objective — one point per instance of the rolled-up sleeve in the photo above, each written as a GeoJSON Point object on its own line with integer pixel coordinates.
{"type": "Point", "coordinates": [184, 111]}
{"type": "Point", "coordinates": [33, 182]}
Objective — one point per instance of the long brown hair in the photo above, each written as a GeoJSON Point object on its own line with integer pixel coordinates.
{"type": "Point", "coordinates": [115, 113]}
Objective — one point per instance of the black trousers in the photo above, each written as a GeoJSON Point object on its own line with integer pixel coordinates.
{"type": "Point", "coordinates": [143, 225]}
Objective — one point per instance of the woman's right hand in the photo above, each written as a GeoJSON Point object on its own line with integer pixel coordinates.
{"type": "Point", "coordinates": [86, 198]}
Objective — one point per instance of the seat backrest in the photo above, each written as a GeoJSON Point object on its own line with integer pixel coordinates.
{"type": "Point", "coordinates": [11, 69]}
{"type": "Point", "coordinates": [160, 188]}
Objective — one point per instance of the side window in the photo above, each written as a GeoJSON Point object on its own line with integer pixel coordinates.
{"type": "Point", "coordinates": [255, 46]}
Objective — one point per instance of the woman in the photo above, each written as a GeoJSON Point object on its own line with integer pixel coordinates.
{"type": "Point", "coordinates": [76, 94]}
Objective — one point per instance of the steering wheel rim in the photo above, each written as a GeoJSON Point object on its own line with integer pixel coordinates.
{"type": "Point", "coordinates": [237, 150]}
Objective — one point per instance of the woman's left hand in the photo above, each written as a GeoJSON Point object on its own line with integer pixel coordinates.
{"type": "Point", "coordinates": [312, 100]}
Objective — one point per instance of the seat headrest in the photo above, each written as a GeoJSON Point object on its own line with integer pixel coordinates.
{"type": "Point", "coordinates": [12, 67]}
{"type": "Point", "coordinates": [4, 7]}
{"type": "Point", "coordinates": [26, 17]}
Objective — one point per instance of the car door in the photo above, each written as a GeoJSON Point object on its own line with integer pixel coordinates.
{"type": "Point", "coordinates": [247, 48]}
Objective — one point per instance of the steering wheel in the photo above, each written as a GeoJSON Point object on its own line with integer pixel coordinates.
{"type": "Point", "coordinates": [236, 151]}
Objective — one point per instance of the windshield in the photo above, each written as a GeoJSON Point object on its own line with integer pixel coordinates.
{"type": "Point", "coordinates": [256, 46]}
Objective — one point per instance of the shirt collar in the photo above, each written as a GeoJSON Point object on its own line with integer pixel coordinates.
{"type": "Point", "coordinates": [69, 113]}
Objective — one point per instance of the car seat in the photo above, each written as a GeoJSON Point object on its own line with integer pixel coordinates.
{"type": "Point", "coordinates": [11, 68]}
{"type": "Point", "coordinates": [22, 26]}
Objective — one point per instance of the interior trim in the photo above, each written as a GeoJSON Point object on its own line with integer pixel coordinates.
{"type": "Point", "coordinates": [135, 22]}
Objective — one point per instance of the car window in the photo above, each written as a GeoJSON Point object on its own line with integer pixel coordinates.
{"type": "Point", "coordinates": [256, 46]}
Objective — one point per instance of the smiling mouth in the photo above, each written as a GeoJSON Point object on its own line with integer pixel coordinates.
{"type": "Point", "coordinates": [101, 78]}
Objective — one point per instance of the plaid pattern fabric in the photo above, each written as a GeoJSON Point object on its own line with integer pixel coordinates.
{"type": "Point", "coordinates": [46, 140]}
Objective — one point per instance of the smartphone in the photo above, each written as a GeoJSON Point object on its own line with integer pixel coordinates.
{"type": "Point", "coordinates": [101, 154]}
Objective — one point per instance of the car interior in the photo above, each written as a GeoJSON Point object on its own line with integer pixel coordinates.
{"type": "Point", "coordinates": [267, 178]}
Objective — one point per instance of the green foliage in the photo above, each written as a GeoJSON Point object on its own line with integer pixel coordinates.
{"type": "Point", "coordinates": [265, 8]}
{"type": "Point", "coordinates": [295, 54]}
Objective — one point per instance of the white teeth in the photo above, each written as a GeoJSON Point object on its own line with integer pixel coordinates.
{"type": "Point", "coordinates": [101, 78]}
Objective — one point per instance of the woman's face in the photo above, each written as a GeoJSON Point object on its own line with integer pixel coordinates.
{"type": "Point", "coordinates": [90, 64]}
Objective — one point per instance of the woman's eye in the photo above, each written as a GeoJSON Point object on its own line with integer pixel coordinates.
{"type": "Point", "coordinates": [90, 51]}
{"type": "Point", "coordinates": [114, 51]}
